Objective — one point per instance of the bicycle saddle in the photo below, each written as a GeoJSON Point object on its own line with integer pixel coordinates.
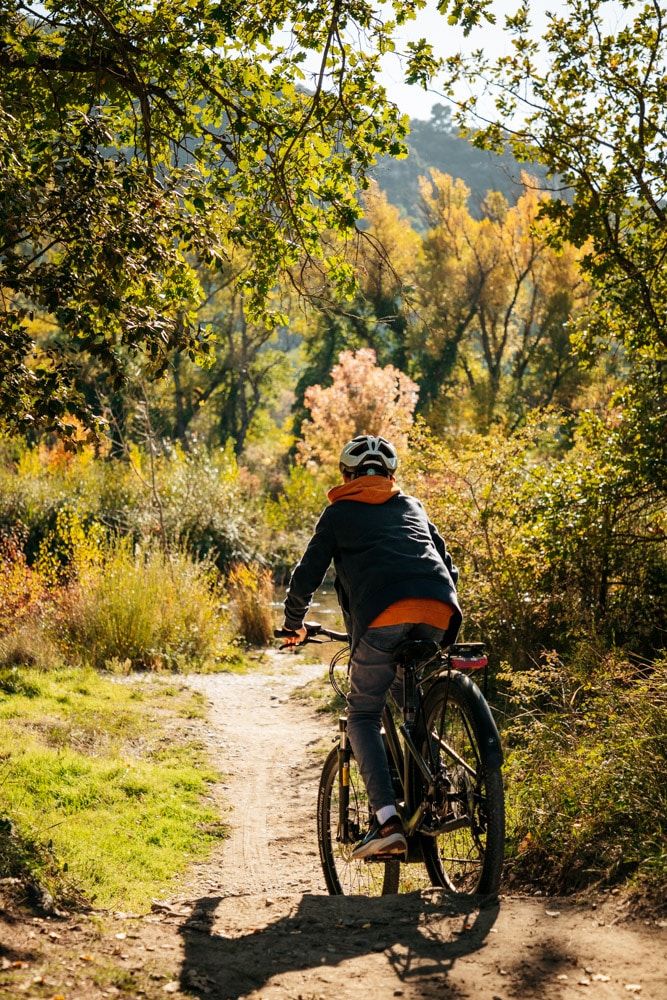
{"type": "Point", "coordinates": [415, 651]}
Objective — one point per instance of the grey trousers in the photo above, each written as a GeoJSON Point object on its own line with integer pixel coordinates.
{"type": "Point", "coordinates": [372, 673]}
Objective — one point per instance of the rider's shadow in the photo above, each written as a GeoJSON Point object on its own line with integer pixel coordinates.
{"type": "Point", "coordinates": [421, 936]}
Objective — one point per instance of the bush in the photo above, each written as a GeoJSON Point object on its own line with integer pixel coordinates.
{"type": "Point", "coordinates": [203, 501]}
{"type": "Point", "coordinates": [549, 551]}
{"type": "Point", "coordinates": [21, 589]}
{"type": "Point", "coordinates": [146, 610]}
{"type": "Point", "coordinates": [290, 518]}
{"type": "Point", "coordinates": [251, 589]}
{"type": "Point", "coordinates": [586, 754]}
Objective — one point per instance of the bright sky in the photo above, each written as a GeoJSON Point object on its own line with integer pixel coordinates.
{"type": "Point", "coordinates": [447, 40]}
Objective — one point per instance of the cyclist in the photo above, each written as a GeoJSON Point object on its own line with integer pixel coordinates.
{"type": "Point", "coordinates": [394, 579]}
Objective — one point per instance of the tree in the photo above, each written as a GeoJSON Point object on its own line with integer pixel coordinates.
{"type": "Point", "coordinates": [136, 140]}
{"type": "Point", "coordinates": [596, 117]}
{"type": "Point", "coordinates": [498, 302]}
{"type": "Point", "coordinates": [224, 398]}
{"type": "Point", "coordinates": [379, 315]}
{"type": "Point", "coordinates": [362, 399]}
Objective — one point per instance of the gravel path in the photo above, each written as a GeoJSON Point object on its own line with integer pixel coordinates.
{"type": "Point", "coordinates": [255, 921]}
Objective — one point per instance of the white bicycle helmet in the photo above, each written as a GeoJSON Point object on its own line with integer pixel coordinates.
{"type": "Point", "coordinates": [366, 455]}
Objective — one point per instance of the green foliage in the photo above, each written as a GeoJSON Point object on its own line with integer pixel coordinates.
{"type": "Point", "coordinates": [103, 771]}
{"type": "Point", "coordinates": [549, 550]}
{"type": "Point", "coordinates": [585, 746]}
{"type": "Point", "coordinates": [115, 181]}
{"type": "Point", "coordinates": [207, 503]}
{"type": "Point", "coordinates": [290, 517]}
{"type": "Point", "coordinates": [592, 110]}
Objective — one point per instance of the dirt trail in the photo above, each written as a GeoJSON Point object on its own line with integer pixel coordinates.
{"type": "Point", "coordinates": [255, 921]}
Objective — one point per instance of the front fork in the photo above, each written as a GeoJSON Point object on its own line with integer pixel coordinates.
{"type": "Point", "coordinates": [343, 833]}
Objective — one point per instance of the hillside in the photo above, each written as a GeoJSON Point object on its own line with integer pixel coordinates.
{"type": "Point", "coordinates": [434, 144]}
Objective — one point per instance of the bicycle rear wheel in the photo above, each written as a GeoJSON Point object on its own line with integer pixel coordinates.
{"type": "Point", "coordinates": [342, 873]}
{"type": "Point", "coordinates": [467, 855]}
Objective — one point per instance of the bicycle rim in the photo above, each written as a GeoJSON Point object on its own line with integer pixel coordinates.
{"type": "Point", "coordinates": [343, 874]}
{"type": "Point", "coordinates": [467, 859]}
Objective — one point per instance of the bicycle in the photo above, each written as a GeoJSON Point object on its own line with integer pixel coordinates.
{"type": "Point", "coordinates": [445, 760]}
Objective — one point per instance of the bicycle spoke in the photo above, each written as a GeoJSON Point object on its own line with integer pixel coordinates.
{"type": "Point", "coordinates": [343, 873]}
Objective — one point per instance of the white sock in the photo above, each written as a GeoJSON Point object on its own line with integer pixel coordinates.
{"type": "Point", "coordinates": [384, 814]}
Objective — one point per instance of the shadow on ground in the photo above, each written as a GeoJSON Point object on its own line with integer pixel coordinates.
{"type": "Point", "coordinates": [421, 936]}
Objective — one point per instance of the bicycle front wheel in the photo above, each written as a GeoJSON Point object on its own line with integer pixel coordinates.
{"type": "Point", "coordinates": [465, 854]}
{"type": "Point", "coordinates": [343, 874]}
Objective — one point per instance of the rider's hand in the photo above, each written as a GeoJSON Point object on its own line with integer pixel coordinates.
{"type": "Point", "coordinates": [296, 639]}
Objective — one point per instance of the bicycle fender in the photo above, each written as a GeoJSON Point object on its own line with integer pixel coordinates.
{"type": "Point", "coordinates": [490, 745]}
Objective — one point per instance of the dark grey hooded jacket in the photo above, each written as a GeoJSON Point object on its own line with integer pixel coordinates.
{"type": "Point", "coordinates": [384, 549]}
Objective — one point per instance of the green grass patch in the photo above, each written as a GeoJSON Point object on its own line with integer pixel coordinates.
{"type": "Point", "coordinates": [108, 774]}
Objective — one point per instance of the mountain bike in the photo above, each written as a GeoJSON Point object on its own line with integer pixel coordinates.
{"type": "Point", "coordinates": [445, 760]}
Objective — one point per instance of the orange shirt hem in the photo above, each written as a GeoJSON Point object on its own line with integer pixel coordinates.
{"type": "Point", "coordinates": [420, 611]}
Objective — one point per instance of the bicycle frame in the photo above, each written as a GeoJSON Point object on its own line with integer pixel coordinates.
{"type": "Point", "coordinates": [398, 760]}
{"type": "Point", "coordinates": [417, 654]}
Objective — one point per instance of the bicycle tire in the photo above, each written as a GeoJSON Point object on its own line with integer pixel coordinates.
{"type": "Point", "coordinates": [469, 859]}
{"type": "Point", "coordinates": [343, 874]}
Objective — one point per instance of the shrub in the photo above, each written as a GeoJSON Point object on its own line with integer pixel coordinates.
{"type": "Point", "coordinates": [147, 610]}
{"type": "Point", "coordinates": [290, 518]}
{"type": "Point", "coordinates": [209, 505]}
{"type": "Point", "coordinates": [587, 749]}
{"type": "Point", "coordinates": [204, 501]}
{"type": "Point", "coordinates": [21, 589]}
{"type": "Point", "coordinates": [549, 551]}
{"type": "Point", "coordinates": [251, 589]}
{"type": "Point", "coordinates": [27, 645]}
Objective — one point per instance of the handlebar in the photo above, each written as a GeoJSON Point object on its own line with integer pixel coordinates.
{"type": "Point", "coordinates": [313, 629]}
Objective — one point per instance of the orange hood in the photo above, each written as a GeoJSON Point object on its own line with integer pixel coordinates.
{"type": "Point", "coordinates": [365, 489]}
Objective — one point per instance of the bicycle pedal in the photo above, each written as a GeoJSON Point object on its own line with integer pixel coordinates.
{"type": "Point", "coordinates": [387, 856]}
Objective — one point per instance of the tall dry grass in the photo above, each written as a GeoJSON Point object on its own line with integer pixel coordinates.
{"type": "Point", "coordinates": [251, 589]}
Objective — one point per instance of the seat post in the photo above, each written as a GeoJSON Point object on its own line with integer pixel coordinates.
{"type": "Point", "coordinates": [409, 695]}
